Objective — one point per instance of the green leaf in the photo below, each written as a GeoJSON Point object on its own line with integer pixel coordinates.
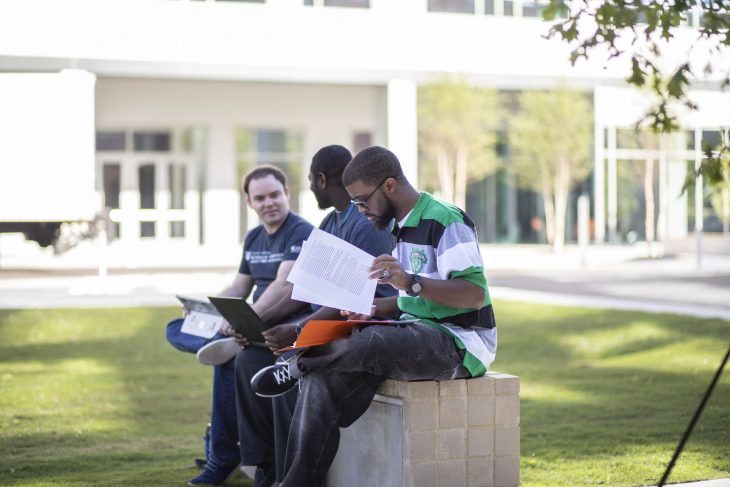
{"type": "Point", "coordinates": [638, 76]}
{"type": "Point", "coordinates": [678, 82]}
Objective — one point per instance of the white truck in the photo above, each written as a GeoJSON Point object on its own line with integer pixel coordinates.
{"type": "Point", "coordinates": [47, 161]}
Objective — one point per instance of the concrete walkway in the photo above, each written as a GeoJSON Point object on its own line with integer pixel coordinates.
{"type": "Point", "coordinates": [705, 483]}
{"type": "Point", "coordinates": [605, 277]}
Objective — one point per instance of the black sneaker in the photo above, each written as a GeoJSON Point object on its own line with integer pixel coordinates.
{"type": "Point", "coordinates": [273, 381]}
{"type": "Point", "coordinates": [265, 476]}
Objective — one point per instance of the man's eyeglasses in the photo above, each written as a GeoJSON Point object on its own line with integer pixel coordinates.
{"type": "Point", "coordinates": [364, 203]}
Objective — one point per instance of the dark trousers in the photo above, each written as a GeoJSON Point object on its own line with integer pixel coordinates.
{"type": "Point", "coordinates": [223, 432]}
{"type": "Point", "coordinates": [339, 386]}
{"type": "Point", "coordinates": [263, 423]}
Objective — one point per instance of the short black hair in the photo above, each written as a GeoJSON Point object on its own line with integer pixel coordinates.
{"type": "Point", "coordinates": [331, 161]}
{"type": "Point", "coordinates": [371, 166]}
{"type": "Point", "coordinates": [262, 171]}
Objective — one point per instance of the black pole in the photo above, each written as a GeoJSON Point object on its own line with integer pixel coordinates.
{"type": "Point", "coordinates": [692, 423]}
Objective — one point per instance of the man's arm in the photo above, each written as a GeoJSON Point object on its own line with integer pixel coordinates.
{"type": "Point", "coordinates": [283, 335]}
{"type": "Point", "coordinates": [386, 307]}
{"type": "Point", "coordinates": [457, 293]}
{"type": "Point", "coordinates": [240, 287]}
{"type": "Point", "coordinates": [275, 304]}
{"type": "Point", "coordinates": [381, 307]}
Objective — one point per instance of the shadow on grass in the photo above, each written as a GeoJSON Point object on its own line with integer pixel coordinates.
{"type": "Point", "coordinates": [600, 401]}
{"type": "Point", "coordinates": [141, 405]}
{"type": "Point", "coordinates": [584, 399]}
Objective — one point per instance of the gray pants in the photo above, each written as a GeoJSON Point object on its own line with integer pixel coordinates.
{"type": "Point", "coordinates": [339, 385]}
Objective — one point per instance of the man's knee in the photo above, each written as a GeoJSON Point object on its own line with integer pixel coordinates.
{"type": "Point", "coordinates": [250, 360]}
{"type": "Point", "coordinates": [368, 338]}
{"type": "Point", "coordinates": [172, 332]}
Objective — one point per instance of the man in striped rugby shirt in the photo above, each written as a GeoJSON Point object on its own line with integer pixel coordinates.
{"type": "Point", "coordinates": [437, 269]}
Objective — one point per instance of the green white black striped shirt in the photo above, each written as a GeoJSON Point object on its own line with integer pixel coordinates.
{"type": "Point", "coordinates": [439, 241]}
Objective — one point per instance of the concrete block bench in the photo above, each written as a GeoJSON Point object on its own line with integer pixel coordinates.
{"type": "Point", "coordinates": [427, 434]}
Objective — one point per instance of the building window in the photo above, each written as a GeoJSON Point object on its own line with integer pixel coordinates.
{"type": "Point", "coordinates": [112, 184]}
{"type": "Point", "coordinates": [147, 186]}
{"type": "Point", "coordinates": [361, 140]}
{"type": "Point", "coordinates": [627, 139]}
{"type": "Point", "coordinates": [177, 229]}
{"type": "Point", "coordinates": [534, 8]}
{"type": "Point", "coordinates": [147, 229]}
{"type": "Point", "coordinates": [110, 141]}
{"type": "Point", "coordinates": [508, 9]}
{"type": "Point", "coordinates": [711, 140]}
{"type": "Point", "coordinates": [347, 3]}
{"type": "Point", "coordinates": [279, 147]}
{"type": "Point", "coordinates": [152, 141]}
{"type": "Point", "coordinates": [489, 7]}
{"type": "Point", "coordinates": [458, 6]}
{"type": "Point", "coordinates": [176, 179]}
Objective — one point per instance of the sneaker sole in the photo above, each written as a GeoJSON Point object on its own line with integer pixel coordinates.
{"type": "Point", "coordinates": [218, 352]}
{"type": "Point", "coordinates": [261, 394]}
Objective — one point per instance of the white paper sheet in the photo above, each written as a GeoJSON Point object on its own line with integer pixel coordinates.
{"type": "Point", "coordinates": [332, 272]}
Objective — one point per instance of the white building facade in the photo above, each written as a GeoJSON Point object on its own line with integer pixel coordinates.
{"type": "Point", "coordinates": [190, 94]}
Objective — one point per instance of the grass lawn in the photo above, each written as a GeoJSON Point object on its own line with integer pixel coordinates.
{"type": "Point", "coordinates": [97, 397]}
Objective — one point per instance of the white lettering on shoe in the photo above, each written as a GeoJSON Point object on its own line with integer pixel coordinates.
{"type": "Point", "coordinates": [282, 375]}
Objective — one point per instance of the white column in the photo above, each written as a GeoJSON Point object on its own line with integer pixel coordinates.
{"type": "Point", "coordinates": [699, 200]}
{"type": "Point", "coordinates": [612, 186]}
{"type": "Point", "coordinates": [162, 199]}
{"type": "Point", "coordinates": [498, 8]}
{"type": "Point", "coordinates": [663, 220]}
{"type": "Point", "coordinates": [677, 204]}
{"type": "Point", "coordinates": [599, 182]}
{"type": "Point", "coordinates": [220, 198]}
{"type": "Point", "coordinates": [479, 9]}
{"type": "Point", "coordinates": [402, 126]}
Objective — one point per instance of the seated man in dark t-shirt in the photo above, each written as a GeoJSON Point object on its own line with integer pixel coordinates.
{"type": "Point", "coordinates": [263, 422]}
{"type": "Point", "coordinates": [270, 250]}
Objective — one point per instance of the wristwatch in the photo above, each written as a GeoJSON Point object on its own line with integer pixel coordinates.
{"type": "Point", "coordinates": [415, 286]}
{"type": "Point", "coordinates": [298, 327]}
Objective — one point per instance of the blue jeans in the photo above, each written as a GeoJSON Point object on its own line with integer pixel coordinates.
{"type": "Point", "coordinates": [184, 341]}
{"type": "Point", "coordinates": [223, 427]}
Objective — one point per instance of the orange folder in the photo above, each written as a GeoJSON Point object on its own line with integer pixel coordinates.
{"type": "Point", "coordinates": [318, 332]}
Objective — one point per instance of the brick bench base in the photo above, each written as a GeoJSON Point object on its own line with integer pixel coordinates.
{"type": "Point", "coordinates": [427, 434]}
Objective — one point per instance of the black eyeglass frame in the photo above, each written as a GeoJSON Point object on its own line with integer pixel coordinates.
{"type": "Point", "coordinates": [364, 203]}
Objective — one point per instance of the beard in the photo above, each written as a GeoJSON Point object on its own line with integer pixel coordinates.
{"type": "Point", "coordinates": [322, 204]}
{"type": "Point", "coordinates": [382, 222]}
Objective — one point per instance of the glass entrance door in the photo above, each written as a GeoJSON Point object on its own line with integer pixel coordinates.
{"type": "Point", "coordinates": [148, 187]}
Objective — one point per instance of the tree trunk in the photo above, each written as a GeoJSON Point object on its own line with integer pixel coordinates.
{"type": "Point", "coordinates": [725, 209]}
{"type": "Point", "coordinates": [562, 188]}
{"type": "Point", "coordinates": [462, 161]}
{"type": "Point", "coordinates": [547, 199]}
{"type": "Point", "coordinates": [446, 174]}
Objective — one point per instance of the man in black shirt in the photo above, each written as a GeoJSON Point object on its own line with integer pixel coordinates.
{"type": "Point", "coordinates": [270, 250]}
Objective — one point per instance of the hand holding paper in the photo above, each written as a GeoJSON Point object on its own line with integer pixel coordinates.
{"type": "Point", "coordinates": [332, 272]}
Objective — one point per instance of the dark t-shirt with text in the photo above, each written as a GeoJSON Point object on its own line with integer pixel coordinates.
{"type": "Point", "coordinates": [262, 253]}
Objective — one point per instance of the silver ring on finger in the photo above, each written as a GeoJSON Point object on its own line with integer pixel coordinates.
{"type": "Point", "coordinates": [386, 274]}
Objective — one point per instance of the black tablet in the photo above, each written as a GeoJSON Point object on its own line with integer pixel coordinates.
{"type": "Point", "coordinates": [242, 318]}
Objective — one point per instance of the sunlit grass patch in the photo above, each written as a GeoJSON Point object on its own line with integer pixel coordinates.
{"type": "Point", "coordinates": [98, 398]}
